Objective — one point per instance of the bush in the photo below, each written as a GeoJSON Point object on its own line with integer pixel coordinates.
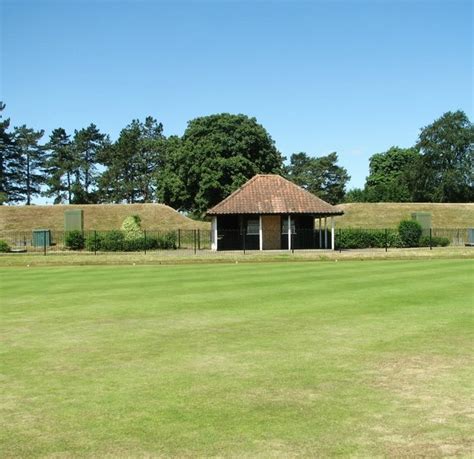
{"type": "Point", "coordinates": [74, 240]}
{"type": "Point", "coordinates": [113, 241]}
{"type": "Point", "coordinates": [436, 241]}
{"type": "Point", "coordinates": [94, 242]}
{"type": "Point", "coordinates": [410, 233]}
{"type": "Point", "coordinates": [353, 238]}
{"type": "Point", "coordinates": [4, 247]}
{"type": "Point", "coordinates": [131, 228]}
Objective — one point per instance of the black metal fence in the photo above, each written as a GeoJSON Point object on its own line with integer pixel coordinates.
{"type": "Point", "coordinates": [46, 241]}
{"type": "Point", "coordinates": [195, 240]}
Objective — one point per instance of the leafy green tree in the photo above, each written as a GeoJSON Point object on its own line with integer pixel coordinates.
{"type": "Point", "coordinates": [6, 153]}
{"type": "Point", "coordinates": [131, 163]}
{"type": "Point", "coordinates": [321, 176]}
{"type": "Point", "coordinates": [88, 143]}
{"type": "Point", "coordinates": [356, 195]}
{"type": "Point", "coordinates": [26, 169]}
{"type": "Point", "coordinates": [215, 156]}
{"type": "Point", "coordinates": [445, 172]}
{"type": "Point", "coordinates": [389, 175]}
{"type": "Point", "coordinates": [60, 166]}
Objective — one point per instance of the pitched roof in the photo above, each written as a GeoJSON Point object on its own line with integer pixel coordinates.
{"type": "Point", "coordinates": [272, 194]}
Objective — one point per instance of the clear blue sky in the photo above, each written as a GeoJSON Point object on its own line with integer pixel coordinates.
{"type": "Point", "coordinates": [349, 76]}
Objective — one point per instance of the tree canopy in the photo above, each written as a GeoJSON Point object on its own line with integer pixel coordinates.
{"type": "Point", "coordinates": [320, 176]}
{"type": "Point", "coordinates": [215, 156]}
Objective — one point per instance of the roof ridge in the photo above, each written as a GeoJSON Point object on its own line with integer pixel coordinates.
{"type": "Point", "coordinates": [278, 186]}
{"type": "Point", "coordinates": [236, 192]}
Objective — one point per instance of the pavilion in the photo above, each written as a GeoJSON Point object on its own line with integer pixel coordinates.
{"type": "Point", "coordinates": [271, 213]}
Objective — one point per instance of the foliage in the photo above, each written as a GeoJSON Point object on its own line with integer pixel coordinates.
{"type": "Point", "coordinates": [26, 167]}
{"type": "Point", "coordinates": [116, 241]}
{"type": "Point", "coordinates": [131, 163]}
{"type": "Point", "coordinates": [446, 169]}
{"type": "Point", "coordinates": [320, 176]}
{"type": "Point", "coordinates": [75, 240]}
{"type": "Point", "coordinates": [436, 241]}
{"type": "Point", "coordinates": [94, 241]}
{"type": "Point", "coordinates": [131, 228]}
{"type": "Point", "coordinates": [60, 165]}
{"type": "Point", "coordinates": [388, 175]}
{"type": "Point", "coordinates": [355, 238]}
{"type": "Point", "coordinates": [113, 241]}
{"type": "Point", "coordinates": [88, 144]}
{"type": "Point", "coordinates": [215, 156]}
{"type": "Point", "coordinates": [6, 157]}
{"type": "Point", "coordinates": [4, 247]}
{"type": "Point", "coordinates": [410, 233]}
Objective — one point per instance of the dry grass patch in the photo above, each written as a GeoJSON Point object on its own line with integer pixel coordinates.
{"type": "Point", "coordinates": [389, 214]}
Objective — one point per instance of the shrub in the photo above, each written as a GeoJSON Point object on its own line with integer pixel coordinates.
{"type": "Point", "coordinates": [131, 228]}
{"type": "Point", "coordinates": [436, 241]}
{"type": "Point", "coordinates": [167, 241]}
{"type": "Point", "coordinates": [74, 240]}
{"type": "Point", "coordinates": [4, 247]}
{"type": "Point", "coordinates": [94, 242]}
{"type": "Point", "coordinates": [353, 238]}
{"type": "Point", "coordinates": [113, 241]}
{"type": "Point", "coordinates": [410, 233]}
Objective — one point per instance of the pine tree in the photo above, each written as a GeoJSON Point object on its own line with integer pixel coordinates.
{"type": "Point", "coordinates": [88, 143]}
{"type": "Point", "coordinates": [27, 163]}
{"type": "Point", "coordinates": [6, 151]}
{"type": "Point", "coordinates": [60, 166]}
{"type": "Point", "coordinates": [131, 163]}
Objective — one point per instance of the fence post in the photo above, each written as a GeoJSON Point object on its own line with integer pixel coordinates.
{"type": "Point", "coordinates": [199, 239]}
{"type": "Point", "coordinates": [95, 242]}
{"type": "Point", "coordinates": [144, 240]}
{"type": "Point", "coordinates": [179, 239]}
{"type": "Point", "coordinates": [243, 239]}
{"type": "Point", "coordinates": [292, 242]}
{"type": "Point", "coordinates": [194, 241]}
{"type": "Point", "coordinates": [386, 239]}
{"type": "Point", "coordinates": [44, 242]}
{"type": "Point", "coordinates": [431, 243]}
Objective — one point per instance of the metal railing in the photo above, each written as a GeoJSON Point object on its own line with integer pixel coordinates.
{"type": "Point", "coordinates": [195, 240]}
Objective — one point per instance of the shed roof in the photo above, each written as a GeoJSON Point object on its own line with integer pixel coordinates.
{"type": "Point", "coordinates": [272, 194]}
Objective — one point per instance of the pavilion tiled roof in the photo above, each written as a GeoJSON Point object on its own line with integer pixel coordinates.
{"type": "Point", "coordinates": [272, 194]}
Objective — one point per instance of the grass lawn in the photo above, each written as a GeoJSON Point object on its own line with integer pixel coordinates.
{"type": "Point", "coordinates": [359, 358]}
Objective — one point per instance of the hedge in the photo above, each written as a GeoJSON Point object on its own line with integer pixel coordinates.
{"type": "Point", "coordinates": [354, 238]}
{"type": "Point", "coordinates": [115, 241]}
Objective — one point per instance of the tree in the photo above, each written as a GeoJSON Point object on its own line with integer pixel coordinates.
{"type": "Point", "coordinates": [60, 166]}
{"type": "Point", "coordinates": [389, 172]}
{"type": "Point", "coordinates": [445, 172]}
{"type": "Point", "coordinates": [215, 156]}
{"type": "Point", "coordinates": [320, 176]}
{"type": "Point", "coordinates": [26, 169]}
{"type": "Point", "coordinates": [6, 152]}
{"type": "Point", "coordinates": [131, 162]}
{"type": "Point", "coordinates": [88, 143]}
